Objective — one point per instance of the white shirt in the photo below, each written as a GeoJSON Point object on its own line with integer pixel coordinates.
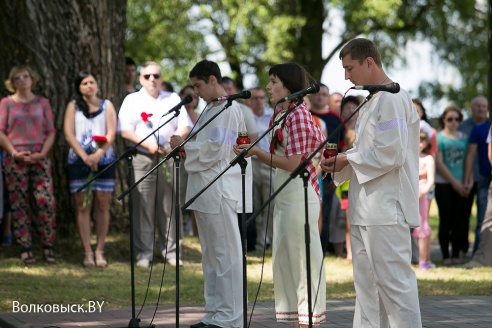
{"type": "Point", "coordinates": [263, 123]}
{"type": "Point", "coordinates": [208, 154]}
{"type": "Point", "coordinates": [384, 163]}
{"type": "Point", "coordinates": [130, 116]}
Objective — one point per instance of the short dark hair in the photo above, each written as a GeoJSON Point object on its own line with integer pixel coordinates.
{"type": "Point", "coordinates": [168, 85]}
{"type": "Point", "coordinates": [226, 79]}
{"type": "Point", "coordinates": [129, 61]}
{"type": "Point", "coordinates": [204, 69]}
{"type": "Point", "coordinates": [293, 76]}
{"type": "Point", "coordinates": [359, 49]}
{"type": "Point", "coordinates": [348, 99]}
{"type": "Point", "coordinates": [183, 89]}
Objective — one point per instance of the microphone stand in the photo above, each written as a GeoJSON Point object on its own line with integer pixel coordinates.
{"type": "Point", "coordinates": [178, 230]}
{"type": "Point", "coordinates": [175, 154]}
{"type": "Point", "coordinates": [239, 159]}
{"type": "Point", "coordinates": [302, 172]}
{"type": "Point", "coordinates": [134, 322]}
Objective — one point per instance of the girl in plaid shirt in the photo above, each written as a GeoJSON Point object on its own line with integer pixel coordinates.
{"type": "Point", "coordinates": [293, 140]}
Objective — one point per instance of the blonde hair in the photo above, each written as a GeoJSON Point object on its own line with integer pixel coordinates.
{"type": "Point", "coordinates": [9, 83]}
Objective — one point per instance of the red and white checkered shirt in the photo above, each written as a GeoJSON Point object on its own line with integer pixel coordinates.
{"type": "Point", "coordinates": [304, 136]}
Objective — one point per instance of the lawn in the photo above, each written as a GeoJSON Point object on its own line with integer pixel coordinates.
{"type": "Point", "coordinates": [68, 282]}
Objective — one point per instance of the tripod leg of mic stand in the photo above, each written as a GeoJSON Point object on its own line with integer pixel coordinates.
{"type": "Point", "coordinates": [305, 177]}
{"type": "Point", "coordinates": [243, 164]}
{"type": "Point", "coordinates": [177, 213]}
{"type": "Point", "coordinates": [134, 322]}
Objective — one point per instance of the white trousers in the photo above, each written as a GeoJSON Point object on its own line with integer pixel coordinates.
{"type": "Point", "coordinates": [222, 266]}
{"type": "Point", "coordinates": [385, 283]}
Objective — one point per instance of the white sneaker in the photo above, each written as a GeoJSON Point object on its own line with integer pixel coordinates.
{"type": "Point", "coordinates": [172, 262]}
{"type": "Point", "coordinates": [143, 263]}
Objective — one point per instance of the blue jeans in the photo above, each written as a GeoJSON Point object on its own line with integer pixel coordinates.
{"type": "Point", "coordinates": [482, 194]}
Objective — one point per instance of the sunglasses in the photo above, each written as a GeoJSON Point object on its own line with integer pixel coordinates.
{"type": "Point", "coordinates": [156, 76]}
{"type": "Point", "coordinates": [451, 119]}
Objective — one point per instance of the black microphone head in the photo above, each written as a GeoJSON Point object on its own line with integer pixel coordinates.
{"type": "Point", "coordinates": [187, 99]}
{"type": "Point", "coordinates": [395, 87]}
{"type": "Point", "coordinates": [314, 87]}
{"type": "Point", "coordinates": [246, 94]}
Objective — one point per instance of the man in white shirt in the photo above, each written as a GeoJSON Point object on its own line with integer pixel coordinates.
{"type": "Point", "coordinates": [383, 169]}
{"type": "Point", "coordinates": [208, 154]}
{"type": "Point", "coordinates": [140, 113]}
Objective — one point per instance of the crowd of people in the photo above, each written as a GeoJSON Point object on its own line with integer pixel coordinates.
{"type": "Point", "coordinates": [368, 204]}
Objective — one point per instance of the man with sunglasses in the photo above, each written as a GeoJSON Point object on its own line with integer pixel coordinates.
{"type": "Point", "coordinates": [141, 113]}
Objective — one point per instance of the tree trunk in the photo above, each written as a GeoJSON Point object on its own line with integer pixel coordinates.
{"type": "Point", "coordinates": [309, 50]}
{"type": "Point", "coordinates": [58, 38]}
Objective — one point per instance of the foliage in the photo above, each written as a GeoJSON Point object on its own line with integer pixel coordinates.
{"type": "Point", "coordinates": [446, 24]}
{"type": "Point", "coordinates": [164, 31]}
{"type": "Point", "coordinates": [253, 35]}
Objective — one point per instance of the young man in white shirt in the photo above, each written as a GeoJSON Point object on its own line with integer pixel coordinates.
{"type": "Point", "coordinates": [383, 169]}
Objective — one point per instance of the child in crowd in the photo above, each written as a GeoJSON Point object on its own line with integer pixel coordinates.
{"type": "Point", "coordinates": [426, 183]}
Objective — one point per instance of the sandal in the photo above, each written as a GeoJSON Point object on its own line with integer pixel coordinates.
{"type": "Point", "coordinates": [89, 260]}
{"type": "Point", "coordinates": [100, 260]}
{"type": "Point", "coordinates": [48, 255]}
{"type": "Point", "coordinates": [26, 256]}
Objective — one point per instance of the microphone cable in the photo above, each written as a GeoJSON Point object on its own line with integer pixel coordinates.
{"type": "Point", "coordinates": [156, 204]}
{"type": "Point", "coordinates": [173, 188]}
{"type": "Point", "coordinates": [333, 174]}
{"type": "Point", "coordinates": [272, 134]}
{"type": "Point", "coordinates": [326, 241]}
{"type": "Point", "coordinates": [267, 224]}
{"type": "Point", "coordinates": [167, 233]}
{"type": "Point", "coordinates": [153, 235]}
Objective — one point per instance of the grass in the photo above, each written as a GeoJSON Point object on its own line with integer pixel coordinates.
{"type": "Point", "coordinates": [67, 282]}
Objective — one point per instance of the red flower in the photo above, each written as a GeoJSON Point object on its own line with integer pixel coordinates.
{"type": "Point", "coordinates": [100, 139]}
{"type": "Point", "coordinates": [145, 116]}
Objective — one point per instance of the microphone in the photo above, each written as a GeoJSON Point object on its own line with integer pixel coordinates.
{"type": "Point", "coordinates": [313, 88]}
{"type": "Point", "coordinates": [186, 100]}
{"type": "Point", "coordinates": [392, 87]}
{"type": "Point", "coordinates": [246, 94]}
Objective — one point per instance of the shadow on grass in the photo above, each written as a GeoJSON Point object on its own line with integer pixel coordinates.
{"type": "Point", "coordinates": [117, 249]}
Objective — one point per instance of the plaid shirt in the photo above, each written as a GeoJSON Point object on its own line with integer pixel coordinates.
{"type": "Point", "coordinates": [304, 136]}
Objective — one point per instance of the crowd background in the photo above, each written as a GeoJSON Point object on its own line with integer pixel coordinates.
{"type": "Point", "coordinates": [469, 164]}
{"type": "Point", "coordinates": [78, 37]}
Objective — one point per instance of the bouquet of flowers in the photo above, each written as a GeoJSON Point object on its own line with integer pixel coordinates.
{"type": "Point", "coordinates": [99, 141]}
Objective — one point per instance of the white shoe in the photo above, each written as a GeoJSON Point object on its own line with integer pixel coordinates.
{"type": "Point", "coordinates": [172, 262]}
{"type": "Point", "coordinates": [143, 263]}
